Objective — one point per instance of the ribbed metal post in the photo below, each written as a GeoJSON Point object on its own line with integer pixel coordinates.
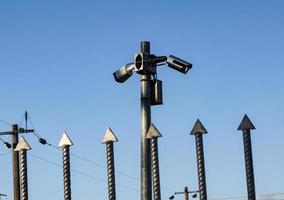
{"type": "Point", "coordinates": [245, 126]}
{"type": "Point", "coordinates": [198, 130]}
{"type": "Point", "coordinates": [155, 169]}
{"type": "Point", "coordinates": [16, 167]}
{"type": "Point", "coordinates": [24, 175]}
{"type": "Point", "coordinates": [146, 182]}
{"type": "Point", "coordinates": [64, 144]}
{"type": "Point", "coordinates": [110, 171]}
{"type": "Point", "coordinates": [201, 167]}
{"type": "Point", "coordinates": [66, 173]}
{"type": "Point", "coordinates": [249, 165]}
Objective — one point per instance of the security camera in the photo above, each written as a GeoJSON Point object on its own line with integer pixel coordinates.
{"type": "Point", "coordinates": [178, 64]}
{"type": "Point", "coordinates": [123, 73]}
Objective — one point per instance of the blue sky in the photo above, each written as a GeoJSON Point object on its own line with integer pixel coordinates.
{"type": "Point", "coordinates": [57, 60]}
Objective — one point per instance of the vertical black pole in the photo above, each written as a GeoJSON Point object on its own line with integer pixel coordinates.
{"type": "Point", "coordinates": [201, 167]}
{"type": "Point", "coordinates": [66, 173]}
{"type": "Point", "coordinates": [186, 193]}
{"type": "Point", "coordinates": [246, 125]}
{"type": "Point", "coordinates": [16, 170]}
{"type": "Point", "coordinates": [24, 174]}
{"type": "Point", "coordinates": [198, 130]}
{"type": "Point", "coordinates": [146, 182]}
{"type": "Point", "coordinates": [110, 171]}
{"type": "Point", "coordinates": [249, 165]}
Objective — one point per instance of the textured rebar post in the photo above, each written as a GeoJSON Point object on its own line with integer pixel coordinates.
{"type": "Point", "coordinates": [16, 167]}
{"type": "Point", "coordinates": [66, 173]}
{"type": "Point", "coordinates": [249, 165]}
{"type": "Point", "coordinates": [198, 130]}
{"type": "Point", "coordinates": [65, 144]}
{"type": "Point", "coordinates": [108, 139]}
{"type": "Point", "coordinates": [246, 125]}
{"type": "Point", "coordinates": [24, 174]}
{"type": "Point", "coordinates": [155, 169]}
{"type": "Point", "coordinates": [153, 134]}
{"type": "Point", "coordinates": [22, 148]}
{"type": "Point", "coordinates": [201, 167]}
{"type": "Point", "coordinates": [110, 171]}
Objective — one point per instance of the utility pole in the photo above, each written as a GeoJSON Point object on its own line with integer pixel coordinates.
{"type": "Point", "coordinates": [145, 64]}
{"type": "Point", "coordinates": [198, 130]}
{"type": "Point", "coordinates": [153, 134]}
{"type": "Point", "coordinates": [23, 147]}
{"type": "Point", "coordinates": [65, 144]}
{"type": "Point", "coordinates": [109, 139]}
{"type": "Point", "coordinates": [186, 193]}
{"type": "Point", "coordinates": [15, 157]}
{"type": "Point", "coordinates": [16, 168]}
{"type": "Point", "coordinates": [245, 126]}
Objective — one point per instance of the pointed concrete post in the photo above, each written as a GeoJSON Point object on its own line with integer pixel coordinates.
{"type": "Point", "coordinates": [22, 147]}
{"type": "Point", "coordinates": [198, 130]}
{"type": "Point", "coordinates": [153, 134]}
{"type": "Point", "coordinates": [65, 144]}
{"type": "Point", "coordinates": [109, 139]}
{"type": "Point", "coordinates": [245, 126]}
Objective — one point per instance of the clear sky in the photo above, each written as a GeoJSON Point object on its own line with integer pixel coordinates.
{"type": "Point", "coordinates": [57, 60]}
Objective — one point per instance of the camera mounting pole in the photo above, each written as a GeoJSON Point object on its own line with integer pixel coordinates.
{"type": "Point", "coordinates": [145, 64]}
{"type": "Point", "coordinates": [146, 181]}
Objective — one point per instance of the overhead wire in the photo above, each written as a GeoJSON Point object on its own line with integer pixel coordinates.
{"type": "Point", "coordinates": [81, 172]}
{"type": "Point", "coordinates": [7, 123]}
{"type": "Point", "coordinates": [90, 161]}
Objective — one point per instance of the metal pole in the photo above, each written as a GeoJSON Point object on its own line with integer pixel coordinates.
{"type": "Point", "coordinates": [246, 125]}
{"type": "Point", "coordinates": [24, 175]}
{"type": "Point", "coordinates": [109, 139]}
{"type": "Point", "coordinates": [201, 167]}
{"type": "Point", "coordinates": [155, 168]}
{"type": "Point", "coordinates": [198, 130]}
{"type": "Point", "coordinates": [249, 165]}
{"type": "Point", "coordinates": [65, 144]}
{"type": "Point", "coordinates": [146, 182]}
{"type": "Point", "coordinates": [66, 173]}
{"type": "Point", "coordinates": [186, 193]}
{"type": "Point", "coordinates": [16, 170]}
{"type": "Point", "coordinates": [153, 134]}
{"type": "Point", "coordinates": [110, 171]}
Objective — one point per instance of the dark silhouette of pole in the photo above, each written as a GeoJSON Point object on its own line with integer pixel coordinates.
{"type": "Point", "coordinates": [198, 130]}
{"type": "Point", "coordinates": [23, 147]}
{"type": "Point", "coordinates": [16, 167]}
{"type": "Point", "coordinates": [186, 193]}
{"type": "Point", "coordinates": [65, 144]}
{"type": "Point", "coordinates": [153, 135]}
{"type": "Point", "coordinates": [245, 126]}
{"type": "Point", "coordinates": [109, 139]}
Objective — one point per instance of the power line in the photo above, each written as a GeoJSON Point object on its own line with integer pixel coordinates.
{"type": "Point", "coordinates": [7, 123]}
{"type": "Point", "coordinates": [81, 172]}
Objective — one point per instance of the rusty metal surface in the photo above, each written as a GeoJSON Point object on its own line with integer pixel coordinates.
{"type": "Point", "coordinates": [110, 171]}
